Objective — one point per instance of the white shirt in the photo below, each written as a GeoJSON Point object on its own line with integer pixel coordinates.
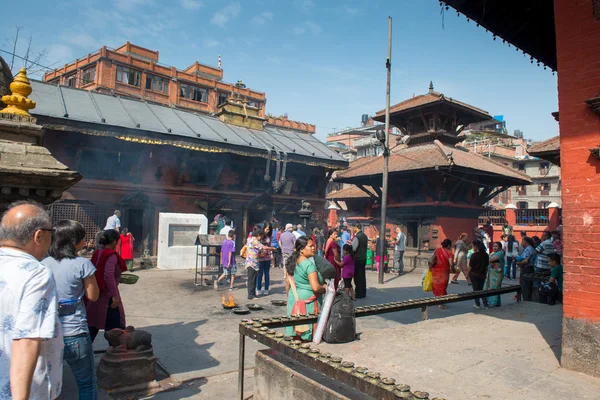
{"type": "Point", "coordinates": [225, 230]}
{"type": "Point", "coordinates": [29, 309]}
{"type": "Point", "coordinates": [113, 222]}
{"type": "Point", "coordinates": [401, 238]}
{"type": "Point", "coordinates": [297, 234]}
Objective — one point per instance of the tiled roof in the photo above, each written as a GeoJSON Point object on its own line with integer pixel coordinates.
{"type": "Point", "coordinates": [351, 192]}
{"type": "Point", "coordinates": [429, 156]}
{"type": "Point", "coordinates": [141, 121]}
{"type": "Point", "coordinates": [428, 98]}
{"type": "Point", "coordinates": [552, 144]}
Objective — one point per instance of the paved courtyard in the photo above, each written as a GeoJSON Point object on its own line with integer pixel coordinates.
{"type": "Point", "coordinates": [197, 341]}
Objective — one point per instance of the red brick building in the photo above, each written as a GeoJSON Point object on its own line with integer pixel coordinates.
{"type": "Point", "coordinates": [131, 70]}
{"type": "Point", "coordinates": [565, 36]}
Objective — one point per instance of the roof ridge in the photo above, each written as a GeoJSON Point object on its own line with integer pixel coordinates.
{"type": "Point", "coordinates": [488, 159]}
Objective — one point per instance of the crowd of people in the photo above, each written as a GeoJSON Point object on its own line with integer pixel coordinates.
{"type": "Point", "coordinates": [485, 264]}
{"type": "Point", "coordinates": [53, 302]}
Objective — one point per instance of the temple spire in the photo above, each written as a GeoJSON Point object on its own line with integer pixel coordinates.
{"type": "Point", "coordinates": [17, 102]}
{"type": "Point", "coordinates": [430, 86]}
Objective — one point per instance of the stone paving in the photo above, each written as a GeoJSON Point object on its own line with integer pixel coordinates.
{"type": "Point", "coordinates": [197, 341]}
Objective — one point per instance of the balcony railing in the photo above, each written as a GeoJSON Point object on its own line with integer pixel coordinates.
{"type": "Point", "coordinates": [533, 216]}
{"type": "Point", "coordinates": [496, 217]}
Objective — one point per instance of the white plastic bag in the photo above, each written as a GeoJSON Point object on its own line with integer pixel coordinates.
{"type": "Point", "coordinates": [324, 314]}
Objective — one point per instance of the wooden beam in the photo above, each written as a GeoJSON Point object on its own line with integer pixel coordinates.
{"type": "Point", "coordinates": [322, 186]}
{"type": "Point", "coordinates": [425, 124]}
{"type": "Point", "coordinates": [377, 190]}
{"type": "Point", "coordinates": [182, 167]}
{"type": "Point", "coordinates": [364, 189]}
{"type": "Point", "coordinates": [215, 178]}
{"type": "Point", "coordinates": [429, 189]}
{"type": "Point", "coordinates": [484, 194]}
{"type": "Point", "coordinates": [247, 177]}
{"type": "Point", "coordinates": [495, 193]}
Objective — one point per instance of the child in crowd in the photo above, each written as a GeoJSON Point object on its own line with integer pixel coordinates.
{"type": "Point", "coordinates": [551, 291]}
{"type": "Point", "coordinates": [348, 270]}
{"type": "Point", "coordinates": [228, 261]}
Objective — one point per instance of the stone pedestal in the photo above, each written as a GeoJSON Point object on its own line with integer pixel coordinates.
{"type": "Point", "coordinates": [128, 361]}
{"type": "Point", "coordinates": [117, 370]}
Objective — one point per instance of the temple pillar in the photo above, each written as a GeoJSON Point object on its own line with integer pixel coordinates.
{"type": "Point", "coordinates": [511, 214]}
{"type": "Point", "coordinates": [553, 216]}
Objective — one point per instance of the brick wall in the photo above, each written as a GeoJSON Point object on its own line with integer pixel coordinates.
{"type": "Point", "coordinates": [578, 51]}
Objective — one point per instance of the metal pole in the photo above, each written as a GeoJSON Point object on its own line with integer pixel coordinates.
{"type": "Point", "coordinates": [386, 154]}
{"type": "Point", "coordinates": [242, 357]}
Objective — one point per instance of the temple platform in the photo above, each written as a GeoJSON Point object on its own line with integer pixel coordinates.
{"type": "Point", "coordinates": [503, 353]}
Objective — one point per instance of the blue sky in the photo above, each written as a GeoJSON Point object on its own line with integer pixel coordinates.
{"type": "Point", "coordinates": [321, 62]}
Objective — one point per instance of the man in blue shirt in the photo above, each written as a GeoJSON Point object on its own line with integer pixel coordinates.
{"type": "Point", "coordinates": [300, 231]}
{"type": "Point", "coordinates": [344, 237]}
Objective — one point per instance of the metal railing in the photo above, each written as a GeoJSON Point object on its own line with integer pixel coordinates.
{"type": "Point", "coordinates": [497, 217]}
{"type": "Point", "coordinates": [368, 382]}
{"type": "Point", "coordinates": [533, 216]}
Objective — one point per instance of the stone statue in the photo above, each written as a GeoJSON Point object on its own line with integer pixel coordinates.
{"type": "Point", "coordinates": [128, 361]}
{"type": "Point", "coordinates": [128, 340]}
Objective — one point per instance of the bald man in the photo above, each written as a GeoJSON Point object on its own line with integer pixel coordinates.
{"type": "Point", "coordinates": [31, 341]}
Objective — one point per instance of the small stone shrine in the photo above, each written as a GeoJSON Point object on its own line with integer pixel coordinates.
{"type": "Point", "coordinates": [128, 361]}
{"type": "Point", "coordinates": [27, 170]}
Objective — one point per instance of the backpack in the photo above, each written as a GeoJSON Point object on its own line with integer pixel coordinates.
{"type": "Point", "coordinates": [341, 325]}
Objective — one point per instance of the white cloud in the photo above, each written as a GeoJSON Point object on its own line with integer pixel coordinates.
{"type": "Point", "coordinates": [83, 39]}
{"type": "Point", "coordinates": [262, 18]}
{"type": "Point", "coordinates": [228, 13]}
{"type": "Point", "coordinates": [191, 4]}
{"type": "Point", "coordinates": [305, 4]}
{"type": "Point", "coordinates": [209, 43]}
{"type": "Point", "coordinates": [308, 26]}
{"type": "Point", "coordinates": [351, 10]}
{"type": "Point", "coordinates": [129, 5]}
{"type": "Point", "coordinates": [60, 54]}
{"type": "Point", "coordinates": [314, 28]}
{"type": "Point", "coordinates": [298, 30]}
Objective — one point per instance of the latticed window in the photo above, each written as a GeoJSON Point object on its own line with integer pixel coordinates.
{"type": "Point", "coordinates": [88, 75]}
{"type": "Point", "coordinates": [91, 216]}
{"type": "Point", "coordinates": [129, 76]}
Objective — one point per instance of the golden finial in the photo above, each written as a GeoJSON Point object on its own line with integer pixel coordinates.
{"type": "Point", "coordinates": [17, 102]}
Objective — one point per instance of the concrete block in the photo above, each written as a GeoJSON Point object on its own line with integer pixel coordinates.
{"type": "Point", "coordinates": [176, 237]}
{"type": "Point", "coordinates": [581, 346]}
{"type": "Point", "coordinates": [279, 377]}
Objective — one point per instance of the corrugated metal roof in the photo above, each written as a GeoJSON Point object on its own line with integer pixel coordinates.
{"type": "Point", "coordinates": [106, 113]}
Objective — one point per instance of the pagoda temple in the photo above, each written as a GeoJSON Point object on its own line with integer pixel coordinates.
{"type": "Point", "coordinates": [436, 189]}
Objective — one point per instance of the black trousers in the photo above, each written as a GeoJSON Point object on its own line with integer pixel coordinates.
{"type": "Point", "coordinates": [251, 283]}
{"type": "Point", "coordinates": [478, 284]}
{"type": "Point", "coordinates": [360, 278]}
{"type": "Point", "coordinates": [526, 284]}
{"type": "Point", "coordinates": [113, 320]}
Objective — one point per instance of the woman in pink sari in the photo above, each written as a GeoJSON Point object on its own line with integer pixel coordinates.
{"type": "Point", "coordinates": [332, 254]}
{"type": "Point", "coordinates": [441, 269]}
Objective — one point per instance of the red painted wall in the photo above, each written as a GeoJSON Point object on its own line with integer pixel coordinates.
{"type": "Point", "coordinates": [451, 228]}
{"type": "Point", "coordinates": [578, 50]}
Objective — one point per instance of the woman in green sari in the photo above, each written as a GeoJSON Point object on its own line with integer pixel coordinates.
{"type": "Point", "coordinates": [304, 286]}
{"type": "Point", "coordinates": [495, 273]}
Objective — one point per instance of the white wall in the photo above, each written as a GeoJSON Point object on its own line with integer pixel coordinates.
{"type": "Point", "coordinates": [175, 231]}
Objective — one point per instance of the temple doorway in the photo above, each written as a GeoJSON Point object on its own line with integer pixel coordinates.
{"type": "Point", "coordinates": [412, 233]}
{"type": "Point", "coordinates": [135, 224]}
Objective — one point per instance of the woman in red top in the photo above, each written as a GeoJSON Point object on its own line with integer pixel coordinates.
{"type": "Point", "coordinates": [332, 254]}
{"type": "Point", "coordinates": [441, 269]}
{"type": "Point", "coordinates": [107, 312]}
{"type": "Point", "coordinates": [127, 248]}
